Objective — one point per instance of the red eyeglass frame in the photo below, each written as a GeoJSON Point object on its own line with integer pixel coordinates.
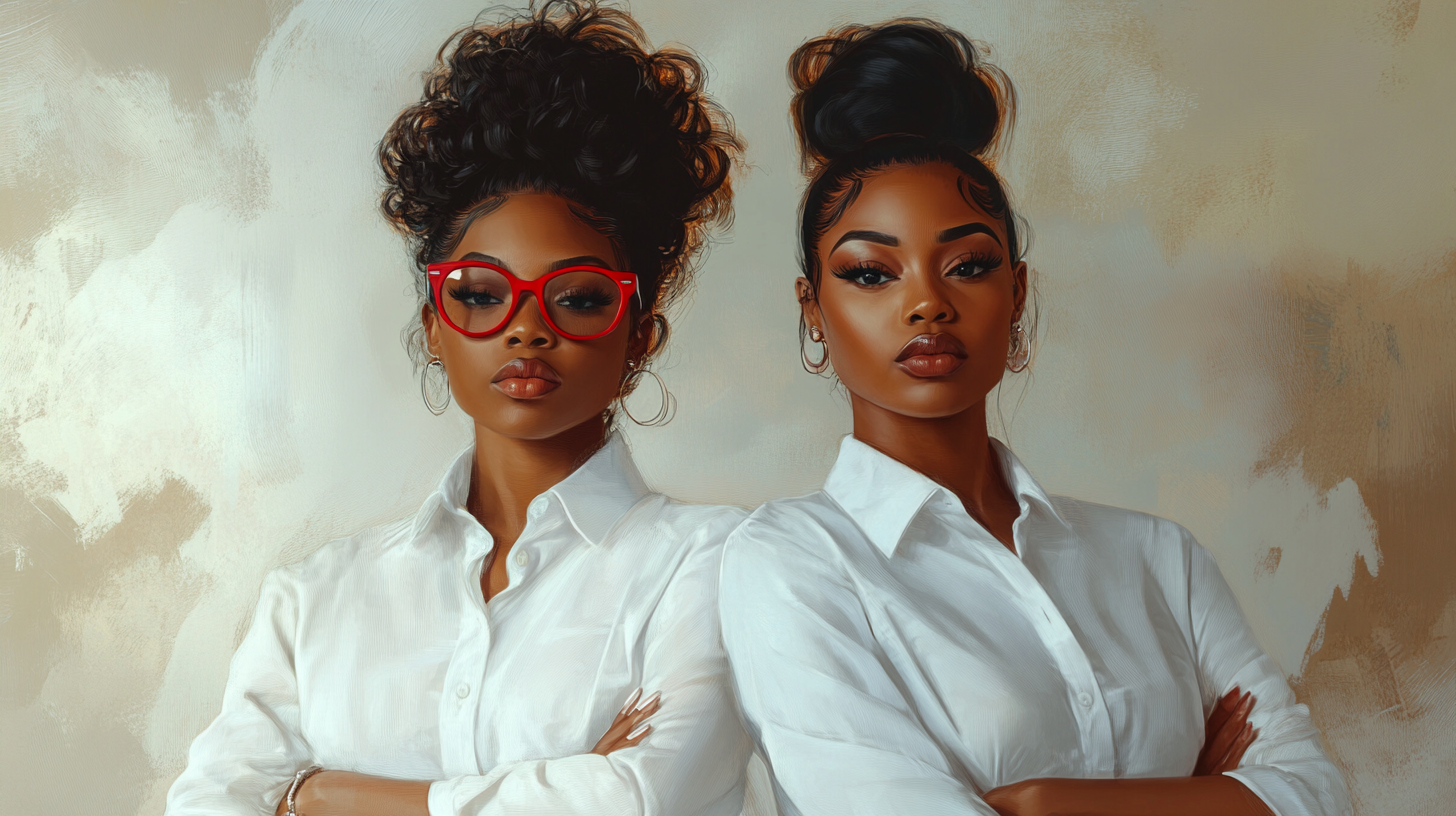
{"type": "Point", "coordinates": [626, 284]}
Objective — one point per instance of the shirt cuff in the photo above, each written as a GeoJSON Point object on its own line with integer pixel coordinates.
{"type": "Point", "coordinates": [1279, 790]}
{"type": "Point", "coordinates": [439, 800]}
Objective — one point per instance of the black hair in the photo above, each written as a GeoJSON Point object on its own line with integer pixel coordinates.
{"type": "Point", "coordinates": [905, 92]}
{"type": "Point", "coordinates": [567, 98]}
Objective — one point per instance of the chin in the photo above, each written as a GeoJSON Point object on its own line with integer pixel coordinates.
{"type": "Point", "coordinates": [930, 403]}
{"type": "Point", "coordinates": [532, 420]}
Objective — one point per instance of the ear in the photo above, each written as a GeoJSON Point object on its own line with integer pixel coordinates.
{"type": "Point", "coordinates": [1018, 291]}
{"type": "Point", "coordinates": [431, 322]}
{"type": "Point", "coordinates": [640, 341]}
{"type": "Point", "coordinates": [808, 303]}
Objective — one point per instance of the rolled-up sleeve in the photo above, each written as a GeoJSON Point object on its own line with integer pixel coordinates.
{"type": "Point", "coordinates": [835, 728]}
{"type": "Point", "coordinates": [1286, 766]}
{"type": "Point", "coordinates": [243, 762]}
{"type": "Point", "coordinates": [692, 762]}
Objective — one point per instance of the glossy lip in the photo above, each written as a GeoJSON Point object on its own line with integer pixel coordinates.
{"type": "Point", "coordinates": [932, 355]}
{"type": "Point", "coordinates": [526, 378]}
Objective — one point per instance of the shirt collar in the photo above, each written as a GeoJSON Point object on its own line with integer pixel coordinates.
{"type": "Point", "coordinates": [595, 496]}
{"type": "Point", "coordinates": [883, 495]}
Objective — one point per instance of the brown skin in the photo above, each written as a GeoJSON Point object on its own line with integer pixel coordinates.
{"type": "Point", "coordinates": [524, 444]}
{"type": "Point", "coordinates": [913, 257]}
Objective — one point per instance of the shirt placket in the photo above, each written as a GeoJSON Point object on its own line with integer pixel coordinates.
{"type": "Point", "coordinates": [1085, 694]}
{"type": "Point", "coordinates": [461, 695]}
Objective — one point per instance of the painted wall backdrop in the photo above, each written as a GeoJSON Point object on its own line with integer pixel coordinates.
{"type": "Point", "coordinates": [1243, 241]}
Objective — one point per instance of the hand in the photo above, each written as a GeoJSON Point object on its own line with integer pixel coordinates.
{"type": "Point", "coordinates": [1226, 735]}
{"type": "Point", "coordinates": [630, 727]}
{"type": "Point", "coordinates": [1026, 798]}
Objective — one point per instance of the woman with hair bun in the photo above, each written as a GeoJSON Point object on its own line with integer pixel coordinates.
{"type": "Point", "coordinates": [542, 636]}
{"type": "Point", "coordinates": [932, 633]}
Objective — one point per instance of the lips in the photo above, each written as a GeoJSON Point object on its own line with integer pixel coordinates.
{"type": "Point", "coordinates": [932, 355]}
{"type": "Point", "coordinates": [526, 378]}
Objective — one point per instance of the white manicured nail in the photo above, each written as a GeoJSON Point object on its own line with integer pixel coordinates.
{"type": "Point", "coordinates": [639, 731]}
{"type": "Point", "coordinates": [627, 706]}
{"type": "Point", "coordinates": [649, 701]}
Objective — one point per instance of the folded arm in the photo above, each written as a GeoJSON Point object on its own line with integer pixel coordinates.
{"type": "Point", "coordinates": [243, 762]}
{"type": "Point", "coordinates": [1283, 771]}
{"type": "Point", "coordinates": [691, 760]}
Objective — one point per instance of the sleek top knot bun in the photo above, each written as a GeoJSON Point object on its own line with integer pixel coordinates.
{"type": "Point", "coordinates": [910, 77]}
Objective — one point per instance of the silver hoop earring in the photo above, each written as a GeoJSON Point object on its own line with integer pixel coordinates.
{"type": "Point", "coordinates": [1019, 355]}
{"type": "Point", "coordinates": [426, 388]}
{"type": "Point", "coordinates": [813, 366]}
{"type": "Point", "coordinates": [665, 411]}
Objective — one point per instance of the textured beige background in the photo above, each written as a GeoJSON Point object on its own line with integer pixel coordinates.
{"type": "Point", "coordinates": [1243, 220]}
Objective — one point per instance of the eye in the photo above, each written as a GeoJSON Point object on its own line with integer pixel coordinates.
{"type": "Point", "coordinates": [474, 297]}
{"type": "Point", "coordinates": [973, 267]}
{"type": "Point", "coordinates": [584, 299]}
{"type": "Point", "coordinates": [866, 275]}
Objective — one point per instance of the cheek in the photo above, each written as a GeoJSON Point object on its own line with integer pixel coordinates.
{"type": "Point", "coordinates": [864, 333]}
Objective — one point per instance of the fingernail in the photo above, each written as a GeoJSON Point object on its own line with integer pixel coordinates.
{"type": "Point", "coordinates": [627, 706]}
{"type": "Point", "coordinates": [649, 701]}
{"type": "Point", "coordinates": [639, 731]}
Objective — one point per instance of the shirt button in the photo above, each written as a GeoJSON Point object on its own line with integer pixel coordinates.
{"type": "Point", "coordinates": [1085, 699]}
{"type": "Point", "coordinates": [535, 512]}
{"type": "Point", "coordinates": [522, 559]}
{"type": "Point", "coordinates": [463, 691]}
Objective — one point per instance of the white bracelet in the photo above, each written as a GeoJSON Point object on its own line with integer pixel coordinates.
{"type": "Point", "coordinates": [298, 780]}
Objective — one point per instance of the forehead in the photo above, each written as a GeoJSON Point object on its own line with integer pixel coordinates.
{"type": "Point", "coordinates": [530, 229]}
{"type": "Point", "coordinates": [912, 202]}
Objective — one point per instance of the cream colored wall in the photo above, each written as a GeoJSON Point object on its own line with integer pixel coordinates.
{"type": "Point", "coordinates": [1242, 215]}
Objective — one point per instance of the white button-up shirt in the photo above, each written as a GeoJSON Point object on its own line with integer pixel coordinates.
{"type": "Point", "coordinates": [379, 655]}
{"type": "Point", "coordinates": [892, 656]}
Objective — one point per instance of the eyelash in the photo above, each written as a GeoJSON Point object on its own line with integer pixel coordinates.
{"type": "Point", "coordinates": [849, 273]}
{"type": "Point", "coordinates": [986, 263]}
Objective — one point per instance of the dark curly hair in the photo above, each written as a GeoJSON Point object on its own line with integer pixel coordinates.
{"type": "Point", "coordinates": [567, 98]}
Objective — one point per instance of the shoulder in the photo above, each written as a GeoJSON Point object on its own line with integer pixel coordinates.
{"type": "Point", "coordinates": [690, 525]}
{"type": "Point", "coordinates": [345, 558]}
{"type": "Point", "coordinates": [794, 539]}
{"type": "Point", "coordinates": [662, 535]}
{"type": "Point", "coordinates": [710, 523]}
{"type": "Point", "coordinates": [1129, 533]}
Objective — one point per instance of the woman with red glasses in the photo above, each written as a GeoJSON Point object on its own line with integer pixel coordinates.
{"type": "Point", "coordinates": [542, 636]}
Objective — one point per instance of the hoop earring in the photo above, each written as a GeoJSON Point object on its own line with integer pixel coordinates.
{"type": "Point", "coordinates": [665, 411]}
{"type": "Point", "coordinates": [1018, 357]}
{"type": "Point", "coordinates": [425, 387]}
{"type": "Point", "coordinates": [812, 366]}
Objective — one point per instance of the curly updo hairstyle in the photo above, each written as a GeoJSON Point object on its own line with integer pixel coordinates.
{"type": "Point", "coordinates": [905, 92]}
{"type": "Point", "coordinates": [568, 99]}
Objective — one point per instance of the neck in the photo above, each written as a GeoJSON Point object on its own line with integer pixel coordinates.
{"type": "Point", "coordinates": [952, 451]}
{"type": "Point", "coordinates": [510, 472]}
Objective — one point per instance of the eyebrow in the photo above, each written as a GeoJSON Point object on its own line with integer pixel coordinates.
{"type": "Point", "coordinates": [580, 260]}
{"type": "Point", "coordinates": [866, 235]}
{"type": "Point", "coordinates": [481, 256]}
{"type": "Point", "coordinates": [973, 228]}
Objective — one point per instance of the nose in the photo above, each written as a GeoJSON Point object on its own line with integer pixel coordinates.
{"type": "Point", "coordinates": [528, 328]}
{"type": "Point", "coordinates": [926, 301]}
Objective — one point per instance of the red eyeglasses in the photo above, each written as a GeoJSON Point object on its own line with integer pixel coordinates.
{"type": "Point", "coordinates": [579, 302]}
